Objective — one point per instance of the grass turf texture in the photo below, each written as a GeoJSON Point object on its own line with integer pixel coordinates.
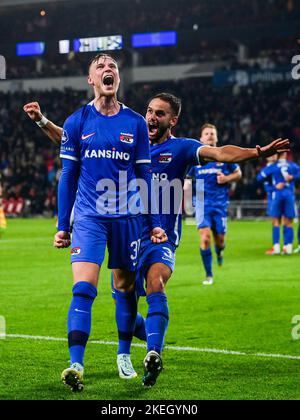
{"type": "Point", "coordinates": [249, 309]}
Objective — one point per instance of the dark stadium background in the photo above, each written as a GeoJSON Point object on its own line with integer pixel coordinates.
{"type": "Point", "coordinates": [231, 65]}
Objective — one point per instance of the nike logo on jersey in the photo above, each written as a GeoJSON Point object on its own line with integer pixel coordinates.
{"type": "Point", "coordinates": [149, 335]}
{"type": "Point", "coordinates": [83, 137]}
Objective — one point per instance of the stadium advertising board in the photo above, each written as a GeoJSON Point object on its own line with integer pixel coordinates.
{"type": "Point", "coordinates": [30, 48]}
{"type": "Point", "coordinates": [250, 77]}
{"type": "Point", "coordinates": [154, 39]}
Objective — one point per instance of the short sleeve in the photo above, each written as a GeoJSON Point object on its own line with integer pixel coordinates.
{"type": "Point", "coordinates": [70, 141]}
{"type": "Point", "coordinates": [191, 173]}
{"type": "Point", "coordinates": [233, 167]}
{"type": "Point", "coordinates": [191, 152]}
{"type": "Point", "coordinates": [267, 171]}
{"type": "Point", "coordinates": [142, 152]}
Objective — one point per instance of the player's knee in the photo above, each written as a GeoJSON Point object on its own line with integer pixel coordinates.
{"type": "Point", "coordinates": [124, 283]}
{"type": "Point", "coordinates": [155, 285]}
{"type": "Point", "coordinates": [220, 241]}
{"type": "Point", "coordinates": [205, 241]}
{"type": "Point", "coordinates": [156, 281]}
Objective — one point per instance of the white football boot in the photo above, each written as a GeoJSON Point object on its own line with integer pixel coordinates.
{"type": "Point", "coordinates": [208, 282]}
{"type": "Point", "coordinates": [125, 368]}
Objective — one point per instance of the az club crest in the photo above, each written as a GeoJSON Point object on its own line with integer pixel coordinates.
{"type": "Point", "coordinates": [165, 158]}
{"type": "Point", "coordinates": [127, 138]}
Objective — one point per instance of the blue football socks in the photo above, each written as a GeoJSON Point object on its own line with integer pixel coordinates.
{"type": "Point", "coordinates": [206, 255]}
{"type": "Point", "coordinates": [79, 320]}
{"type": "Point", "coordinates": [288, 233]}
{"type": "Point", "coordinates": [140, 328]}
{"type": "Point", "coordinates": [276, 235]}
{"type": "Point", "coordinates": [126, 315]}
{"type": "Point", "coordinates": [157, 321]}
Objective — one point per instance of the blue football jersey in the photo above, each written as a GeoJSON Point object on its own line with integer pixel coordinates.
{"type": "Point", "coordinates": [295, 171]}
{"type": "Point", "coordinates": [268, 185]}
{"type": "Point", "coordinates": [108, 148]}
{"type": "Point", "coordinates": [170, 161]}
{"type": "Point", "coordinates": [277, 172]}
{"type": "Point", "coordinates": [215, 195]}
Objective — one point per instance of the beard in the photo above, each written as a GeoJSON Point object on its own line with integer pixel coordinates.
{"type": "Point", "coordinates": [161, 131]}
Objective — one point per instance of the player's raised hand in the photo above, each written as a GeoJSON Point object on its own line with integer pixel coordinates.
{"type": "Point", "coordinates": [158, 236]}
{"type": "Point", "coordinates": [33, 110]}
{"type": "Point", "coordinates": [62, 240]}
{"type": "Point", "coordinates": [277, 146]}
{"type": "Point", "coordinates": [221, 179]}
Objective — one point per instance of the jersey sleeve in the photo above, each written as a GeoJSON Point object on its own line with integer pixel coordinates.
{"type": "Point", "coordinates": [142, 152]}
{"type": "Point", "coordinates": [191, 152]}
{"type": "Point", "coordinates": [297, 175]}
{"type": "Point", "coordinates": [296, 172]}
{"type": "Point", "coordinates": [191, 173]}
{"type": "Point", "coordinates": [70, 141]}
{"type": "Point", "coordinates": [233, 167]}
{"type": "Point", "coordinates": [264, 173]}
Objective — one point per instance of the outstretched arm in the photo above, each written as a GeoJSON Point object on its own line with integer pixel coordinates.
{"type": "Point", "coordinates": [234, 154]}
{"type": "Point", "coordinates": [54, 132]}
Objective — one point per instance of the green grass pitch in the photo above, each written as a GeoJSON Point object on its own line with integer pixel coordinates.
{"type": "Point", "coordinates": [248, 310]}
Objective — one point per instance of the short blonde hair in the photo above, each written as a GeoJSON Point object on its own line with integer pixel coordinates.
{"type": "Point", "coordinates": [207, 125]}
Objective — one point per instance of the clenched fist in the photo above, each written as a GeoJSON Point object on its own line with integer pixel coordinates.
{"type": "Point", "coordinates": [62, 240]}
{"type": "Point", "coordinates": [33, 111]}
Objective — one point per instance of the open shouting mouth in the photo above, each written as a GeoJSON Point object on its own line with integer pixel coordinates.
{"type": "Point", "coordinates": [108, 80]}
{"type": "Point", "coordinates": [153, 129]}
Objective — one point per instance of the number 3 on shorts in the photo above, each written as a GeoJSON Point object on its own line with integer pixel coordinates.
{"type": "Point", "coordinates": [135, 245]}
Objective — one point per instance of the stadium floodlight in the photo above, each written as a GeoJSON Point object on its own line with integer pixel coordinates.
{"type": "Point", "coordinates": [104, 43]}
{"type": "Point", "coordinates": [64, 46]}
{"type": "Point", "coordinates": [154, 39]}
{"type": "Point", "coordinates": [30, 48]}
{"type": "Point", "coordinates": [2, 68]}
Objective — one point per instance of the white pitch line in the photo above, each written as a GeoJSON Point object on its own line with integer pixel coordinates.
{"type": "Point", "coordinates": [173, 348]}
{"type": "Point", "coordinates": [32, 240]}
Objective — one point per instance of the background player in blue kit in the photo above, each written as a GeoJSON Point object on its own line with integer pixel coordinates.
{"type": "Point", "coordinates": [270, 191]}
{"type": "Point", "coordinates": [282, 174]}
{"type": "Point", "coordinates": [294, 175]}
{"type": "Point", "coordinates": [171, 159]}
{"type": "Point", "coordinates": [217, 178]}
{"type": "Point", "coordinates": [269, 187]}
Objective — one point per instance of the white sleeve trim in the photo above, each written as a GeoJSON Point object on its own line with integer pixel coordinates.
{"type": "Point", "coordinates": [69, 157]}
{"type": "Point", "coordinates": [198, 154]}
{"type": "Point", "coordinates": [143, 161]}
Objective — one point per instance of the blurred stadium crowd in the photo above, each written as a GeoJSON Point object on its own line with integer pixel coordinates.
{"type": "Point", "coordinates": [68, 65]}
{"type": "Point", "coordinates": [66, 21]}
{"type": "Point", "coordinates": [136, 15]}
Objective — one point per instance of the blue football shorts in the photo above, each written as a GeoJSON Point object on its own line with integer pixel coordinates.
{"type": "Point", "coordinates": [150, 254]}
{"type": "Point", "coordinates": [122, 238]}
{"type": "Point", "coordinates": [283, 206]}
{"type": "Point", "coordinates": [214, 218]}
